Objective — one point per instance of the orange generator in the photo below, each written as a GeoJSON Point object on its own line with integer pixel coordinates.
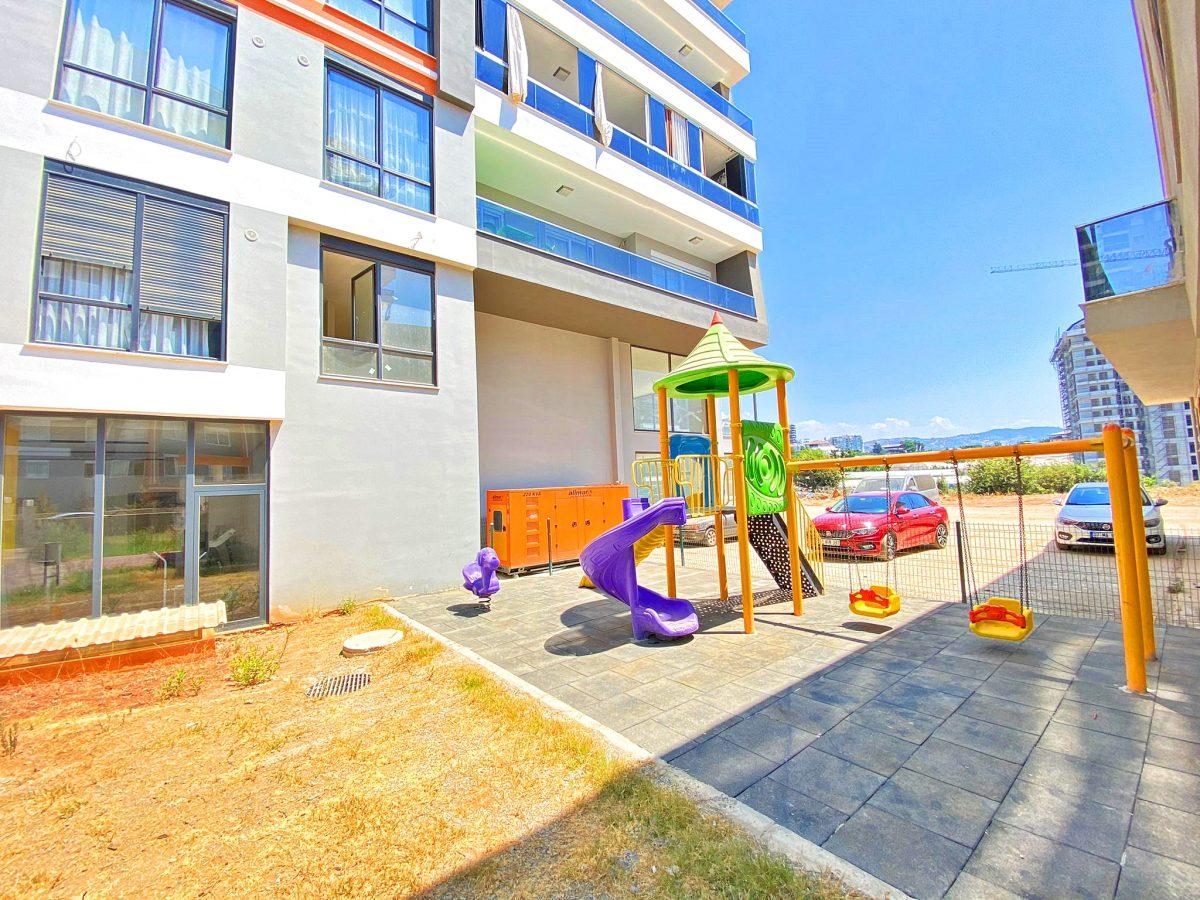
{"type": "Point", "coordinates": [532, 527]}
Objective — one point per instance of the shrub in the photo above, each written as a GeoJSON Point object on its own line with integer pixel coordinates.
{"type": "Point", "coordinates": [999, 476]}
{"type": "Point", "coordinates": [252, 665]}
{"type": "Point", "coordinates": [376, 617]}
{"type": "Point", "coordinates": [819, 480]}
{"type": "Point", "coordinates": [347, 606]}
{"type": "Point", "coordinates": [180, 683]}
{"type": "Point", "coordinates": [8, 740]}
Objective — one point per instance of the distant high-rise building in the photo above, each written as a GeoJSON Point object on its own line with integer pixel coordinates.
{"type": "Point", "coordinates": [849, 443]}
{"type": "Point", "coordinates": [1092, 394]}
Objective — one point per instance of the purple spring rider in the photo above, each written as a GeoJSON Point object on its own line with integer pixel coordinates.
{"type": "Point", "coordinates": [480, 576]}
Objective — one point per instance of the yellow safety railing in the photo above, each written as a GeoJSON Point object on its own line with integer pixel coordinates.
{"type": "Point", "coordinates": [810, 541]}
{"type": "Point", "coordinates": [693, 477]}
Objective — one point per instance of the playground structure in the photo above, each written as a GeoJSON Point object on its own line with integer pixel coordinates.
{"type": "Point", "coordinates": [1007, 618]}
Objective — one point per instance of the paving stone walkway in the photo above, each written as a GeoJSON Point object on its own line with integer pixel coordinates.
{"type": "Point", "coordinates": [938, 762]}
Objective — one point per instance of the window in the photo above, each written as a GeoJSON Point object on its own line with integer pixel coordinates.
{"type": "Point", "coordinates": [687, 416]}
{"type": "Point", "coordinates": [377, 139]}
{"type": "Point", "coordinates": [164, 63]}
{"type": "Point", "coordinates": [377, 314]}
{"type": "Point", "coordinates": [127, 266]}
{"type": "Point", "coordinates": [406, 20]}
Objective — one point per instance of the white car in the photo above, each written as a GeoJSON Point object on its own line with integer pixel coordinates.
{"type": "Point", "coordinates": [1086, 519]}
{"type": "Point", "coordinates": [899, 482]}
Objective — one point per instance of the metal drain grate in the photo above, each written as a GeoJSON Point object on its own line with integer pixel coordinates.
{"type": "Point", "coordinates": [336, 685]}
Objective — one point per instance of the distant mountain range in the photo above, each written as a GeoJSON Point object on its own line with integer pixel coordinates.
{"type": "Point", "coordinates": [992, 437]}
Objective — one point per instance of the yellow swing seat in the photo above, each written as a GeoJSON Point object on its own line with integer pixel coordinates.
{"type": "Point", "coordinates": [875, 602]}
{"type": "Point", "coordinates": [1001, 619]}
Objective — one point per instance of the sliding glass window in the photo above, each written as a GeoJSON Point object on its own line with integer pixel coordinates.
{"type": "Point", "coordinates": [141, 477]}
{"type": "Point", "coordinates": [377, 314]}
{"type": "Point", "coordinates": [377, 137]}
{"type": "Point", "coordinates": [130, 266]}
{"type": "Point", "coordinates": [687, 416]}
{"type": "Point", "coordinates": [405, 20]}
{"type": "Point", "coordinates": [165, 63]}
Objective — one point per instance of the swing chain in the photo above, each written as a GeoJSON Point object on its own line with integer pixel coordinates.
{"type": "Point", "coordinates": [858, 580]}
{"type": "Point", "coordinates": [964, 547]}
{"type": "Point", "coordinates": [1023, 578]}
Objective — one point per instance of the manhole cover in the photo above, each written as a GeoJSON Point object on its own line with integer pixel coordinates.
{"type": "Point", "coordinates": [371, 641]}
{"type": "Point", "coordinates": [336, 685]}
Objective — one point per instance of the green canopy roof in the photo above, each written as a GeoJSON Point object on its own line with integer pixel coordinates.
{"type": "Point", "coordinates": [706, 369]}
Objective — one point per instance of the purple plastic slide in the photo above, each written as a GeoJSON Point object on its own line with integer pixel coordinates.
{"type": "Point", "coordinates": [608, 562]}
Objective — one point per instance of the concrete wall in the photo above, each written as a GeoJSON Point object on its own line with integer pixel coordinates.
{"type": "Point", "coordinates": [374, 488]}
{"type": "Point", "coordinates": [455, 34]}
{"type": "Point", "coordinates": [545, 406]}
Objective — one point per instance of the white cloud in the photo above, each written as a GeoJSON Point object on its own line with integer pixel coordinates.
{"type": "Point", "coordinates": [890, 424]}
{"type": "Point", "coordinates": [943, 425]}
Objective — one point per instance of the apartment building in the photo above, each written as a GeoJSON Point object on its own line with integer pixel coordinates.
{"type": "Point", "coordinates": [289, 284]}
{"type": "Point", "coordinates": [1092, 394]}
{"type": "Point", "coordinates": [1141, 273]}
{"type": "Point", "coordinates": [848, 443]}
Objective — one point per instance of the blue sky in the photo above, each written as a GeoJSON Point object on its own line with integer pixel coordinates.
{"type": "Point", "coordinates": [906, 147]}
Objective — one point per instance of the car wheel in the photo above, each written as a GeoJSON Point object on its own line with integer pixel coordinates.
{"type": "Point", "coordinates": [710, 537]}
{"type": "Point", "coordinates": [941, 537]}
{"type": "Point", "coordinates": [889, 546]}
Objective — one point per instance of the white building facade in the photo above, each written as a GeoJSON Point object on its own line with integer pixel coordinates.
{"type": "Point", "coordinates": [289, 285]}
{"type": "Point", "coordinates": [1092, 394]}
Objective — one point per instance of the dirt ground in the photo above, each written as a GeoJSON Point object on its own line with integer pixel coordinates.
{"type": "Point", "coordinates": [433, 778]}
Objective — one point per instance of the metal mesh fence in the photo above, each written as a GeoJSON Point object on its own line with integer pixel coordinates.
{"type": "Point", "coordinates": [1062, 582]}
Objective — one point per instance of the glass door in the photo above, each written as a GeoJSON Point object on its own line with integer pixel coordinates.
{"type": "Point", "coordinates": [230, 551]}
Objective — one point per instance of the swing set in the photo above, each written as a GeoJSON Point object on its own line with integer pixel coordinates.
{"type": "Point", "coordinates": [1012, 618]}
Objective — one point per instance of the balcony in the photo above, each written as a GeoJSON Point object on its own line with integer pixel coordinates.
{"type": "Point", "coordinates": [1134, 251]}
{"type": "Point", "coordinates": [528, 231]}
{"type": "Point", "coordinates": [607, 22]}
{"type": "Point", "coordinates": [1137, 310]}
{"type": "Point", "coordinates": [727, 25]}
{"type": "Point", "coordinates": [492, 72]}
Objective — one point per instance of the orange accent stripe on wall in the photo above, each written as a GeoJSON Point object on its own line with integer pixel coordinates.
{"type": "Point", "coordinates": [313, 18]}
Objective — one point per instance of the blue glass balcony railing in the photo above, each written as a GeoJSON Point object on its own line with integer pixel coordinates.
{"type": "Point", "coordinates": [606, 21]}
{"type": "Point", "coordinates": [1131, 252]}
{"type": "Point", "coordinates": [492, 72]}
{"type": "Point", "coordinates": [710, 10]}
{"type": "Point", "coordinates": [524, 229]}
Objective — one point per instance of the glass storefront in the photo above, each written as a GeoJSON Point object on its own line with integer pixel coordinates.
{"type": "Point", "coordinates": [182, 516]}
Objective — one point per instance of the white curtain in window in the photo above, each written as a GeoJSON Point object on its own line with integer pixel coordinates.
{"type": "Point", "coordinates": [176, 335]}
{"type": "Point", "coordinates": [678, 143]}
{"type": "Point", "coordinates": [351, 116]}
{"type": "Point", "coordinates": [85, 280]}
{"type": "Point", "coordinates": [113, 38]}
{"type": "Point", "coordinates": [78, 323]}
{"type": "Point", "coordinates": [604, 128]}
{"type": "Point", "coordinates": [518, 57]}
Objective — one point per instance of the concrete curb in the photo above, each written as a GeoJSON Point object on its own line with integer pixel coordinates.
{"type": "Point", "coordinates": [769, 834]}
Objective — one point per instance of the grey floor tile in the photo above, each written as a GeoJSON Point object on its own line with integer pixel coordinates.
{"type": "Point", "coordinates": [1037, 868]}
{"type": "Point", "coordinates": [922, 699]}
{"type": "Point", "coordinates": [987, 737]}
{"type": "Point", "coordinates": [809, 818]}
{"type": "Point", "coordinates": [695, 718]}
{"type": "Point", "coordinates": [1106, 749]}
{"type": "Point", "coordinates": [940, 807]}
{"type": "Point", "coordinates": [724, 765]}
{"type": "Point", "coordinates": [946, 682]}
{"type": "Point", "coordinates": [769, 737]}
{"type": "Point", "coordinates": [1066, 818]}
{"type": "Point", "coordinates": [962, 665]}
{"type": "Point", "coordinates": [664, 693]}
{"type": "Point", "coordinates": [829, 779]}
{"type": "Point", "coordinates": [1171, 753]}
{"type": "Point", "coordinates": [654, 737]}
{"type": "Point", "coordinates": [1103, 719]}
{"type": "Point", "coordinates": [898, 721]}
{"type": "Point", "coordinates": [806, 713]}
{"type": "Point", "coordinates": [1009, 713]}
{"type": "Point", "coordinates": [571, 695]}
{"type": "Point", "coordinates": [872, 750]}
{"type": "Point", "coordinates": [918, 862]}
{"type": "Point", "coordinates": [1147, 876]}
{"type": "Point", "coordinates": [1072, 775]}
{"type": "Point", "coordinates": [863, 676]}
{"type": "Point", "coordinates": [834, 693]}
{"type": "Point", "coordinates": [604, 685]}
{"type": "Point", "coordinates": [1182, 728]}
{"type": "Point", "coordinates": [969, 769]}
{"type": "Point", "coordinates": [1166, 831]}
{"type": "Point", "coordinates": [1044, 696]}
{"type": "Point", "coordinates": [971, 887]}
{"type": "Point", "coordinates": [1169, 787]}
{"type": "Point", "coordinates": [621, 712]}
{"type": "Point", "coordinates": [885, 662]}
{"type": "Point", "coordinates": [737, 698]}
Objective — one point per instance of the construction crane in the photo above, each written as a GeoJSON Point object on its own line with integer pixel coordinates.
{"type": "Point", "coordinates": [1120, 256]}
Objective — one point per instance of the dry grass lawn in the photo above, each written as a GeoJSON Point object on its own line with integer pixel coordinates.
{"type": "Point", "coordinates": [434, 778]}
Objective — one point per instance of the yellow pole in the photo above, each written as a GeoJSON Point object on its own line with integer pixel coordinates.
{"type": "Point", "coordinates": [789, 497]}
{"type": "Point", "coordinates": [718, 500]}
{"type": "Point", "coordinates": [1140, 559]}
{"type": "Point", "coordinates": [1131, 614]}
{"type": "Point", "coordinates": [668, 487]}
{"type": "Point", "coordinates": [739, 496]}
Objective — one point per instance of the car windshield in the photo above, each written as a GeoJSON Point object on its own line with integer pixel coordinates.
{"type": "Point", "coordinates": [856, 503]}
{"type": "Point", "coordinates": [880, 484]}
{"type": "Point", "coordinates": [1095, 495]}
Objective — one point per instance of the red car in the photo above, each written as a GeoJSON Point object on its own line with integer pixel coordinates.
{"type": "Point", "coordinates": [861, 524]}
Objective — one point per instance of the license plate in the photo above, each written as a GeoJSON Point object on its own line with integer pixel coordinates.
{"type": "Point", "coordinates": [1100, 535]}
{"type": "Point", "coordinates": [831, 542]}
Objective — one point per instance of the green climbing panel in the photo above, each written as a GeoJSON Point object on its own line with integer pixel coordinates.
{"type": "Point", "coordinates": [762, 444]}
